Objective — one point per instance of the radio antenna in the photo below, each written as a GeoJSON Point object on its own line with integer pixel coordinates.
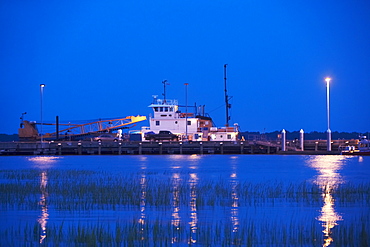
{"type": "Point", "coordinates": [228, 106]}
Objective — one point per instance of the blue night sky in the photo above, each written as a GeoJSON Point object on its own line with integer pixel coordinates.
{"type": "Point", "coordinates": [102, 59]}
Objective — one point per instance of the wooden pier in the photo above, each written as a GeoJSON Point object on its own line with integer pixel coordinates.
{"type": "Point", "coordinates": [155, 148]}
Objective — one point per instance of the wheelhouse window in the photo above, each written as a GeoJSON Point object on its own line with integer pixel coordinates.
{"type": "Point", "coordinates": [155, 109]}
{"type": "Point", "coordinates": [189, 122]}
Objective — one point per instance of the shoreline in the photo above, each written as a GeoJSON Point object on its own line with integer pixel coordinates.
{"type": "Point", "coordinates": [163, 148]}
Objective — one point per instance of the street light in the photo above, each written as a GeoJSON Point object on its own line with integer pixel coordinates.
{"type": "Point", "coordinates": [186, 107]}
{"type": "Point", "coordinates": [328, 144]}
{"type": "Point", "coordinates": [41, 94]}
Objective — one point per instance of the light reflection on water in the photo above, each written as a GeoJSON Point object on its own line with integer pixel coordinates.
{"type": "Point", "coordinates": [43, 163]}
{"type": "Point", "coordinates": [43, 218]}
{"type": "Point", "coordinates": [176, 219]}
{"type": "Point", "coordinates": [193, 207]}
{"type": "Point", "coordinates": [143, 184]}
{"type": "Point", "coordinates": [329, 178]}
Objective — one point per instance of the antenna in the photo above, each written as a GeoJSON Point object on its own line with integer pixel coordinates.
{"type": "Point", "coordinates": [164, 90]}
{"type": "Point", "coordinates": [226, 99]}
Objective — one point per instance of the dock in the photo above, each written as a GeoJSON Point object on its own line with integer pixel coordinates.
{"type": "Point", "coordinates": [169, 147]}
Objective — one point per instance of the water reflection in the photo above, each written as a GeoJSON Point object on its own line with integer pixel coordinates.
{"type": "Point", "coordinates": [328, 179]}
{"type": "Point", "coordinates": [44, 208]}
{"type": "Point", "coordinates": [235, 201]}
{"type": "Point", "coordinates": [143, 184]}
{"type": "Point", "coordinates": [193, 208]}
{"type": "Point", "coordinates": [43, 162]}
{"type": "Point", "coordinates": [175, 221]}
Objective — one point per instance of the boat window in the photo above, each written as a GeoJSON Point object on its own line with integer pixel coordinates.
{"type": "Point", "coordinates": [166, 109]}
{"type": "Point", "coordinates": [228, 136]}
{"type": "Point", "coordinates": [189, 122]}
{"type": "Point", "coordinates": [157, 123]}
{"type": "Point", "coordinates": [160, 109]}
{"type": "Point", "coordinates": [155, 108]}
{"type": "Point", "coordinates": [171, 109]}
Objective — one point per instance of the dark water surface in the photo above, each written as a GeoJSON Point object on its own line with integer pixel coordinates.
{"type": "Point", "coordinates": [181, 200]}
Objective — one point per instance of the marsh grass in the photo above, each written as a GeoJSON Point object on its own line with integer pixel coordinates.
{"type": "Point", "coordinates": [87, 190]}
{"type": "Point", "coordinates": [83, 191]}
{"type": "Point", "coordinates": [160, 233]}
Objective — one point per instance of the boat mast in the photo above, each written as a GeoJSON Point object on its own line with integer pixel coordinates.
{"type": "Point", "coordinates": [226, 99]}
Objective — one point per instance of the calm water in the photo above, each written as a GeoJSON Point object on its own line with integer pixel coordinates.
{"type": "Point", "coordinates": [180, 200]}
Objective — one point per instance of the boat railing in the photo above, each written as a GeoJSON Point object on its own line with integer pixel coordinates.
{"type": "Point", "coordinates": [166, 102]}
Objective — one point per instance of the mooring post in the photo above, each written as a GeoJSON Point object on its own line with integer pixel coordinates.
{"type": "Point", "coordinates": [160, 148]}
{"type": "Point", "coordinates": [201, 147]}
{"type": "Point", "coordinates": [222, 147]}
{"type": "Point", "coordinates": [283, 140]}
{"type": "Point", "coordinates": [328, 142]}
{"type": "Point", "coordinates": [301, 139]}
{"type": "Point", "coordinates": [316, 146]}
{"type": "Point", "coordinates": [99, 149]}
{"type": "Point", "coordinates": [140, 148]}
{"type": "Point", "coordinates": [180, 147]}
{"type": "Point", "coordinates": [60, 148]}
{"type": "Point", "coordinates": [120, 148]}
{"type": "Point", "coordinates": [242, 147]}
{"type": "Point", "coordinates": [268, 150]}
{"type": "Point", "coordinates": [79, 148]}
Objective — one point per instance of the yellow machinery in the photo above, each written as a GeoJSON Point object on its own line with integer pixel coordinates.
{"type": "Point", "coordinates": [28, 129]}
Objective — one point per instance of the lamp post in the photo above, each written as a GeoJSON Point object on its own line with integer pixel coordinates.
{"type": "Point", "coordinates": [186, 107]}
{"type": "Point", "coordinates": [41, 94]}
{"type": "Point", "coordinates": [328, 144]}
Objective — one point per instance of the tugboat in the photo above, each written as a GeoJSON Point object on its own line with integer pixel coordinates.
{"type": "Point", "coordinates": [363, 148]}
{"type": "Point", "coordinates": [167, 116]}
{"type": "Point", "coordinates": [169, 123]}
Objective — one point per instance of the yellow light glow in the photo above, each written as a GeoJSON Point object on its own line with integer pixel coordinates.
{"type": "Point", "coordinates": [44, 162]}
{"type": "Point", "coordinates": [327, 79]}
{"type": "Point", "coordinates": [328, 179]}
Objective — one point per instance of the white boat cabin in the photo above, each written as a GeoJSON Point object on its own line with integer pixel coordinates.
{"type": "Point", "coordinates": [187, 125]}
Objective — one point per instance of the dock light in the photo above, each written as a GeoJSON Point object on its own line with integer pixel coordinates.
{"type": "Point", "coordinates": [328, 79]}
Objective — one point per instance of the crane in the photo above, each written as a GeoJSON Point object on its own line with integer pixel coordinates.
{"type": "Point", "coordinates": [29, 131]}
